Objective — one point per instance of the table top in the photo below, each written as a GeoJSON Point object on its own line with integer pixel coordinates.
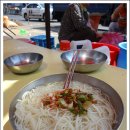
{"type": "Point", "coordinates": [52, 64]}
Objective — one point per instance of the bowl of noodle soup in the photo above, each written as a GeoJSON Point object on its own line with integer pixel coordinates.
{"type": "Point", "coordinates": [27, 111]}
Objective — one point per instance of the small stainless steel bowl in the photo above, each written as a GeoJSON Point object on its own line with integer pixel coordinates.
{"type": "Point", "coordinates": [88, 60]}
{"type": "Point", "coordinates": [24, 62]}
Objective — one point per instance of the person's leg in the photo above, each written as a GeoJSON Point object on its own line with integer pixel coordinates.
{"type": "Point", "coordinates": [83, 36]}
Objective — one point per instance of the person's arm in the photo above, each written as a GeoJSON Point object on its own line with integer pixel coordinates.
{"type": "Point", "coordinates": [115, 15]}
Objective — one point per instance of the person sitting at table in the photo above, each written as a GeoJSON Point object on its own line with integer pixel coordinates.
{"type": "Point", "coordinates": [119, 19]}
{"type": "Point", "coordinates": [76, 25]}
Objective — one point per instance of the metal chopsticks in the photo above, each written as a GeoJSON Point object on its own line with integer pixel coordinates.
{"type": "Point", "coordinates": [71, 69]}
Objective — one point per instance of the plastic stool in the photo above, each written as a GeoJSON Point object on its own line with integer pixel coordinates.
{"type": "Point", "coordinates": [41, 40]}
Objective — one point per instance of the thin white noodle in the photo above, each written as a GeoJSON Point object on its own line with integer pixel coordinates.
{"type": "Point", "coordinates": [30, 113]}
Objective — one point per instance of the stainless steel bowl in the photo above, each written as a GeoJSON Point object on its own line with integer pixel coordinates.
{"type": "Point", "coordinates": [96, 83]}
{"type": "Point", "coordinates": [88, 60]}
{"type": "Point", "coordinates": [24, 62]}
